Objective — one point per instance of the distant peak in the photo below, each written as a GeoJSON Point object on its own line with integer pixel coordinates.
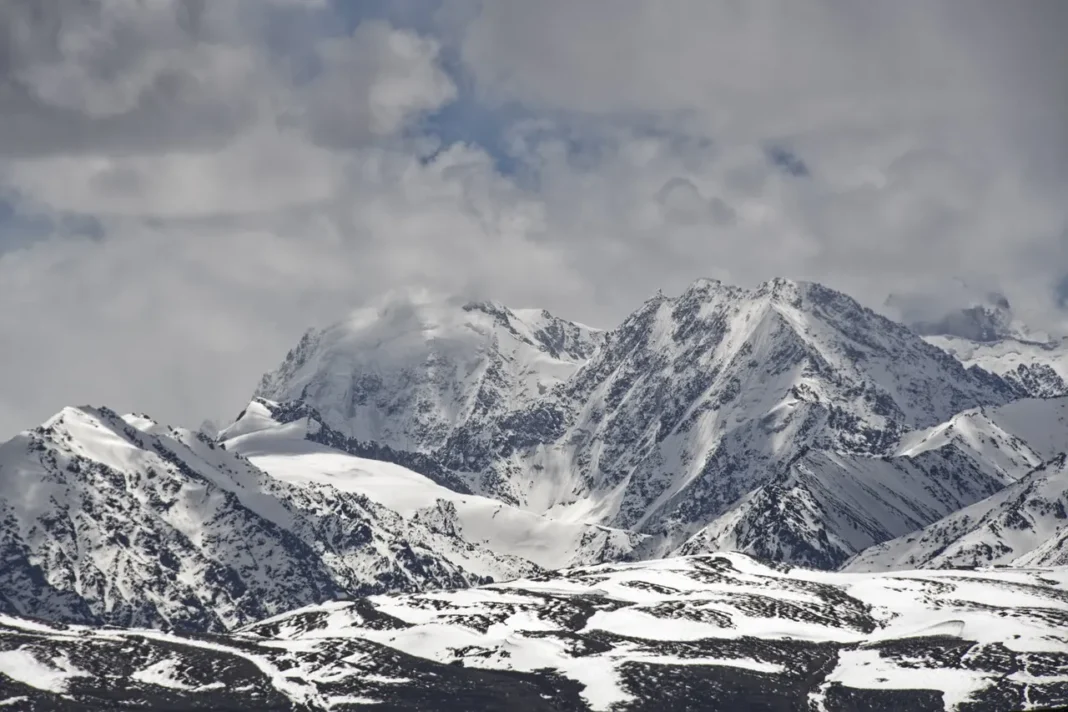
{"type": "Point", "coordinates": [782, 285]}
{"type": "Point", "coordinates": [704, 284]}
{"type": "Point", "coordinates": [962, 313]}
{"type": "Point", "coordinates": [82, 416]}
{"type": "Point", "coordinates": [486, 306]}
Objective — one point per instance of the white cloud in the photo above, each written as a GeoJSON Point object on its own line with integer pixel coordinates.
{"type": "Point", "coordinates": [179, 318]}
{"type": "Point", "coordinates": [256, 173]}
{"type": "Point", "coordinates": [373, 84]}
{"type": "Point", "coordinates": [266, 168]}
{"type": "Point", "coordinates": [927, 127]}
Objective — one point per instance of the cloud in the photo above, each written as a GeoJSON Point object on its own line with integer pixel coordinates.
{"type": "Point", "coordinates": [682, 203]}
{"type": "Point", "coordinates": [930, 135]}
{"type": "Point", "coordinates": [372, 84]}
{"type": "Point", "coordinates": [187, 186]}
{"type": "Point", "coordinates": [217, 242]}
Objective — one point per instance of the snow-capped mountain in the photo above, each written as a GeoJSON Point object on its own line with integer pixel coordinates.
{"type": "Point", "coordinates": [698, 633]}
{"type": "Point", "coordinates": [824, 507]}
{"type": "Point", "coordinates": [430, 448]}
{"type": "Point", "coordinates": [786, 421]}
{"type": "Point", "coordinates": [412, 368]}
{"type": "Point", "coordinates": [1025, 524]}
{"type": "Point", "coordinates": [662, 424]}
{"type": "Point", "coordinates": [124, 521]}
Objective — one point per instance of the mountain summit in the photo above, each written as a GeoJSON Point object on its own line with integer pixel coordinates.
{"type": "Point", "coordinates": [412, 368]}
{"type": "Point", "coordinates": [659, 425]}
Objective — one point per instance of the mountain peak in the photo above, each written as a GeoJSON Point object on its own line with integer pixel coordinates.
{"type": "Point", "coordinates": [703, 285]}
{"type": "Point", "coordinates": [781, 286]}
{"type": "Point", "coordinates": [406, 370]}
{"type": "Point", "coordinates": [963, 313]}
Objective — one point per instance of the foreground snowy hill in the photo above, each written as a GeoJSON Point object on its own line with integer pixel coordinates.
{"type": "Point", "coordinates": [661, 425]}
{"type": "Point", "coordinates": [117, 520]}
{"type": "Point", "coordinates": [699, 633]}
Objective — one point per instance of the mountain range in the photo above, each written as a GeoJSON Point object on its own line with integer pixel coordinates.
{"type": "Point", "coordinates": [427, 444]}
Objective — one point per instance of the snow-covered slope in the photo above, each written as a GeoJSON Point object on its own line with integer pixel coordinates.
{"type": "Point", "coordinates": [409, 370]}
{"type": "Point", "coordinates": [824, 507]}
{"type": "Point", "coordinates": [1014, 437]}
{"type": "Point", "coordinates": [124, 521]}
{"type": "Point", "coordinates": [290, 442]}
{"type": "Point", "coordinates": [1038, 368]}
{"type": "Point", "coordinates": [712, 632]}
{"type": "Point", "coordinates": [1025, 524]}
{"type": "Point", "coordinates": [1019, 525]}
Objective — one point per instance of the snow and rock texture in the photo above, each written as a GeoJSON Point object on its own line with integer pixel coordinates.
{"type": "Point", "coordinates": [1003, 444]}
{"type": "Point", "coordinates": [1024, 524]}
{"type": "Point", "coordinates": [661, 425]}
{"type": "Point", "coordinates": [105, 519]}
{"type": "Point", "coordinates": [697, 633]}
{"type": "Point", "coordinates": [825, 507]}
{"type": "Point", "coordinates": [988, 335]}
{"type": "Point", "coordinates": [290, 442]}
{"type": "Point", "coordinates": [410, 370]}
{"type": "Point", "coordinates": [1038, 368]}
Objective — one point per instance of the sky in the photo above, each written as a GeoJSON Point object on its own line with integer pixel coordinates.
{"type": "Point", "coordinates": [187, 186]}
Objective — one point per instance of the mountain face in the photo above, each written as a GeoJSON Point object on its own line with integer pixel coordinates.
{"type": "Point", "coordinates": [127, 522]}
{"type": "Point", "coordinates": [697, 633]}
{"type": "Point", "coordinates": [410, 370]}
{"type": "Point", "coordinates": [660, 425]}
{"type": "Point", "coordinates": [1037, 368]}
{"type": "Point", "coordinates": [824, 507]}
{"type": "Point", "coordinates": [1024, 524]}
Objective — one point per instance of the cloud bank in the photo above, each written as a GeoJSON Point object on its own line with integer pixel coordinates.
{"type": "Point", "coordinates": [186, 186]}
